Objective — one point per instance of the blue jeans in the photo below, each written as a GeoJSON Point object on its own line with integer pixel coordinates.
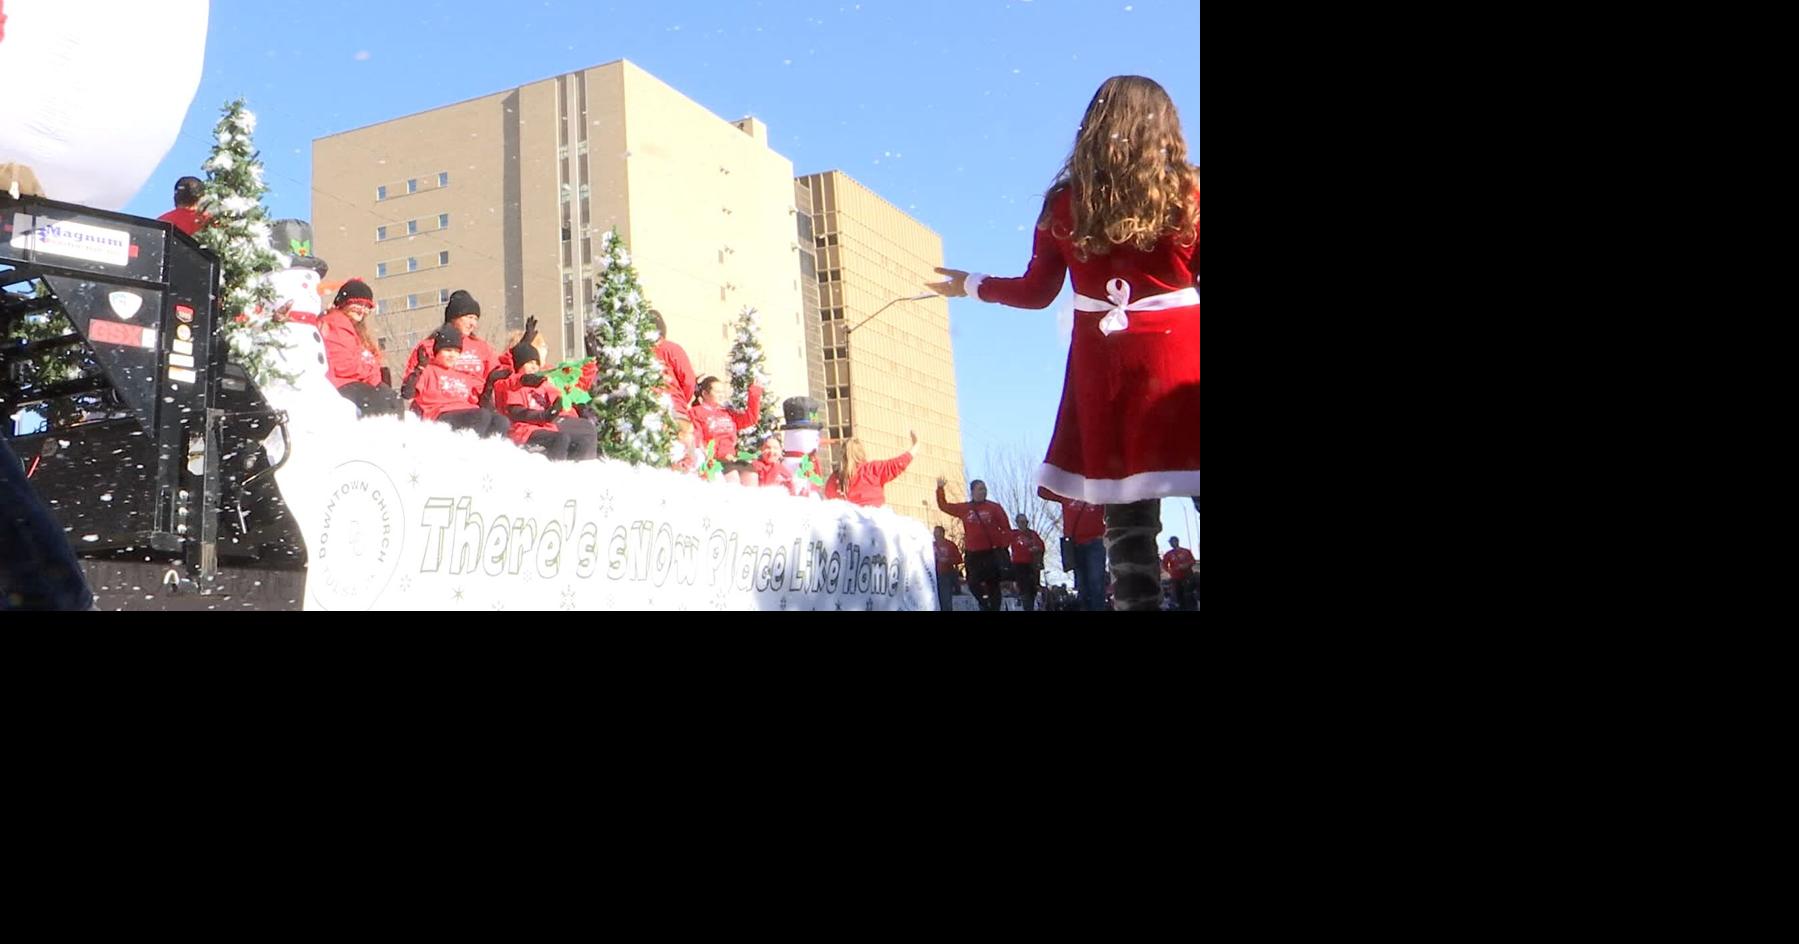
{"type": "Point", "coordinates": [1090, 574]}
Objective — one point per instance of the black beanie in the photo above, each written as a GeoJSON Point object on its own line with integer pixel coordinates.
{"type": "Point", "coordinates": [522, 352]}
{"type": "Point", "coordinates": [355, 288]}
{"type": "Point", "coordinates": [461, 303]}
{"type": "Point", "coordinates": [446, 338]}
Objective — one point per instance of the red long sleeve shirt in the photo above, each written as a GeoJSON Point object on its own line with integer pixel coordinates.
{"type": "Point", "coordinates": [1027, 547]}
{"type": "Point", "coordinates": [477, 360]}
{"type": "Point", "coordinates": [1178, 563]}
{"type": "Point", "coordinates": [1081, 522]}
{"type": "Point", "coordinates": [441, 391]}
{"type": "Point", "coordinates": [677, 371]}
{"type": "Point", "coordinates": [869, 485]}
{"type": "Point", "coordinates": [347, 361]}
{"type": "Point", "coordinates": [718, 424]}
{"type": "Point", "coordinates": [948, 557]}
{"type": "Point", "coordinates": [983, 523]}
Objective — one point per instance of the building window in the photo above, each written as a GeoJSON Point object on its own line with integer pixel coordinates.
{"type": "Point", "coordinates": [443, 221]}
{"type": "Point", "coordinates": [443, 258]}
{"type": "Point", "coordinates": [412, 227]}
{"type": "Point", "coordinates": [412, 301]}
{"type": "Point", "coordinates": [380, 233]}
{"type": "Point", "coordinates": [412, 264]}
{"type": "Point", "coordinates": [381, 343]}
{"type": "Point", "coordinates": [443, 178]}
{"type": "Point", "coordinates": [443, 296]}
{"type": "Point", "coordinates": [587, 250]}
{"type": "Point", "coordinates": [381, 270]}
{"type": "Point", "coordinates": [380, 193]}
{"type": "Point", "coordinates": [412, 186]}
{"type": "Point", "coordinates": [381, 307]}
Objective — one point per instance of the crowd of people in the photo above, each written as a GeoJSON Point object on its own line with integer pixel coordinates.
{"type": "Point", "coordinates": [995, 560]}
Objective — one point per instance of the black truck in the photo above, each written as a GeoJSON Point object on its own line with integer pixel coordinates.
{"type": "Point", "coordinates": [153, 452]}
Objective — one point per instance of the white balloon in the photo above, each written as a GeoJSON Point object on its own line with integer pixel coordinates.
{"type": "Point", "coordinates": [96, 91]}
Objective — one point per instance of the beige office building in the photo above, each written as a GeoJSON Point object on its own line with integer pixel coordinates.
{"type": "Point", "coordinates": [893, 373]}
{"type": "Point", "coordinates": [507, 196]}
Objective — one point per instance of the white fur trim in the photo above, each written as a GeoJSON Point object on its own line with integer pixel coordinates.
{"type": "Point", "coordinates": [1143, 485]}
{"type": "Point", "coordinates": [973, 285]}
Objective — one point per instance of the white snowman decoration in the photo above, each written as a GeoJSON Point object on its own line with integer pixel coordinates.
{"type": "Point", "coordinates": [95, 91]}
{"type": "Point", "coordinates": [311, 400]}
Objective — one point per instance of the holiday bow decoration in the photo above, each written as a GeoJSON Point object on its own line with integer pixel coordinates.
{"type": "Point", "coordinates": [710, 467]}
{"type": "Point", "coordinates": [572, 379]}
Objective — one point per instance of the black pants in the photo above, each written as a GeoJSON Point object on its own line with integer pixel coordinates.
{"type": "Point", "coordinates": [1028, 578]}
{"type": "Point", "coordinates": [583, 438]}
{"type": "Point", "coordinates": [946, 590]}
{"type": "Point", "coordinates": [555, 444]}
{"type": "Point", "coordinates": [371, 400]}
{"type": "Point", "coordinates": [983, 577]}
{"type": "Point", "coordinates": [485, 423]}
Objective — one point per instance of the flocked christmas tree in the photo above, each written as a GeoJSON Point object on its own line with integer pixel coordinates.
{"type": "Point", "coordinates": [237, 230]}
{"type": "Point", "coordinates": [750, 365]}
{"type": "Point", "coordinates": [634, 423]}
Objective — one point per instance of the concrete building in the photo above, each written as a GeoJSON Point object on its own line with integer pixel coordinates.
{"type": "Point", "coordinates": [884, 369]}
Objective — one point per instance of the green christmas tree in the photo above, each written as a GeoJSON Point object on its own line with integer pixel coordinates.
{"type": "Point", "coordinates": [237, 230]}
{"type": "Point", "coordinates": [634, 424]}
{"type": "Point", "coordinates": [750, 366]}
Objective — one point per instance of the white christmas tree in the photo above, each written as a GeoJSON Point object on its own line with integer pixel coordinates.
{"type": "Point", "coordinates": [634, 422]}
{"type": "Point", "coordinates": [749, 366]}
{"type": "Point", "coordinates": [237, 230]}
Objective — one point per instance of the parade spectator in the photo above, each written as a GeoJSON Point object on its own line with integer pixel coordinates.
{"type": "Point", "coordinates": [949, 557]}
{"type": "Point", "coordinates": [986, 536]}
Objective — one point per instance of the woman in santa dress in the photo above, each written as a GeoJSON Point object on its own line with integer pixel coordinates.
{"type": "Point", "coordinates": [1122, 222]}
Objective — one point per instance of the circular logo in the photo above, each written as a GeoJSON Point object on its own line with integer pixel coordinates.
{"type": "Point", "coordinates": [360, 538]}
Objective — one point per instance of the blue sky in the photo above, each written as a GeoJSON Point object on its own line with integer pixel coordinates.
{"type": "Point", "coordinates": [957, 111]}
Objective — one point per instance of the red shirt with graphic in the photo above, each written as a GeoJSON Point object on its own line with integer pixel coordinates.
{"type": "Point", "coordinates": [1081, 522]}
{"type": "Point", "coordinates": [347, 359]}
{"type": "Point", "coordinates": [948, 557]}
{"type": "Point", "coordinates": [983, 522]}
{"type": "Point", "coordinates": [1178, 563]}
{"type": "Point", "coordinates": [1027, 547]}
{"type": "Point", "coordinates": [441, 391]}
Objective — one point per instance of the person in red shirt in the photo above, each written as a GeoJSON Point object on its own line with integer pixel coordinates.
{"type": "Point", "coordinates": [949, 557]}
{"type": "Point", "coordinates": [352, 355]}
{"type": "Point", "coordinates": [717, 424]}
{"type": "Point", "coordinates": [534, 405]}
{"type": "Point", "coordinates": [1083, 547]}
{"type": "Point", "coordinates": [868, 480]}
{"type": "Point", "coordinates": [446, 394]}
{"type": "Point", "coordinates": [770, 471]}
{"type": "Point", "coordinates": [677, 370]}
{"type": "Point", "coordinates": [1178, 562]}
{"type": "Point", "coordinates": [186, 216]}
{"type": "Point", "coordinates": [1122, 224]}
{"type": "Point", "coordinates": [477, 358]}
{"type": "Point", "coordinates": [1027, 562]}
{"type": "Point", "coordinates": [986, 535]}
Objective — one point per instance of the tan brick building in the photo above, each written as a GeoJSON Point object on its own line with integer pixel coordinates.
{"type": "Point", "coordinates": [897, 371]}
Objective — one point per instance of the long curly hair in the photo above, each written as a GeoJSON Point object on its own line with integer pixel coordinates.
{"type": "Point", "coordinates": [1128, 172]}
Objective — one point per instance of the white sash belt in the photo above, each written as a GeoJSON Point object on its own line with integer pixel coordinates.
{"type": "Point", "coordinates": [1118, 294]}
